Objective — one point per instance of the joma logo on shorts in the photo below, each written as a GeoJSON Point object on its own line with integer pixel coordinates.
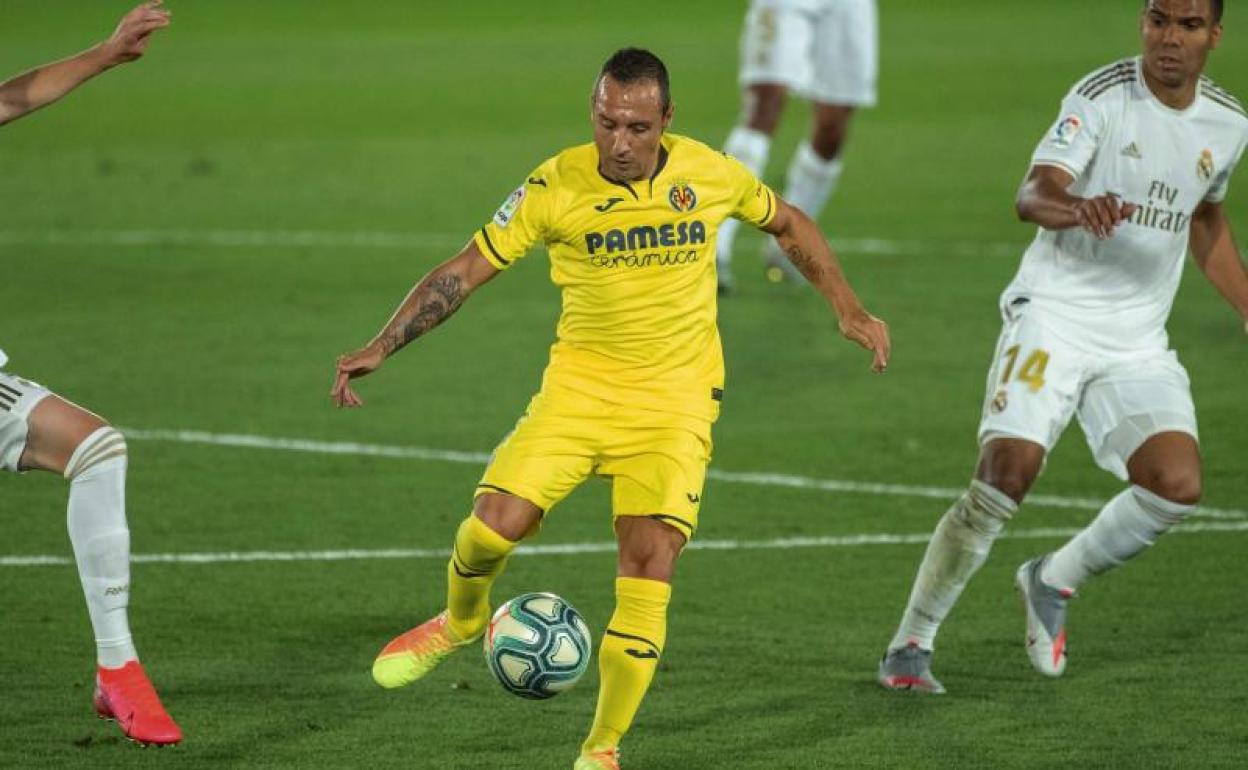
{"type": "Point", "coordinates": [646, 237]}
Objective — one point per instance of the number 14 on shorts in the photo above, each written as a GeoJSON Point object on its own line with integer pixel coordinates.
{"type": "Point", "coordinates": [1032, 370]}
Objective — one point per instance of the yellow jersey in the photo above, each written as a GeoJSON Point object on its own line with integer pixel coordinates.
{"type": "Point", "coordinates": [636, 266]}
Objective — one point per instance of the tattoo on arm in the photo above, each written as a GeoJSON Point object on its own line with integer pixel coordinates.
{"type": "Point", "coordinates": [436, 300]}
{"type": "Point", "coordinates": [810, 267]}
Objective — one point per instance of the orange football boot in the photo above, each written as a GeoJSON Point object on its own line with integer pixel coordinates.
{"type": "Point", "coordinates": [411, 655]}
{"type": "Point", "coordinates": [125, 695]}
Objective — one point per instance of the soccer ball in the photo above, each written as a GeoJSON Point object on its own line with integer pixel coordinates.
{"type": "Point", "coordinates": [537, 645]}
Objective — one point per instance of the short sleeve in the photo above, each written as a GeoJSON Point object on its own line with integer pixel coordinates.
{"type": "Point", "coordinates": [1074, 139]}
{"type": "Point", "coordinates": [1217, 190]}
{"type": "Point", "coordinates": [522, 221]}
{"type": "Point", "coordinates": [755, 202]}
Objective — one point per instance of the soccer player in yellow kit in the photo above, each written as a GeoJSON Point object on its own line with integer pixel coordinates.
{"type": "Point", "coordinates": [635, 376]}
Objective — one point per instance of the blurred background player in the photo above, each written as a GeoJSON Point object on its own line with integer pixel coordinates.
{"type": "Point", "coordinates": [1131, 176]}
{"type": "Point", "coordinates": [826, 52]}
{"type": "Point", "coordinates": [635, 376]}
{"type": "Point", "coordinates": [41, 431]}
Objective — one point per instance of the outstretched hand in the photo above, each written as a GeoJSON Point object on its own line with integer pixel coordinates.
{"type": "Point", "coordinates": [129, 41]}
{"type": "Point", "coordinates": [871, 333]}
{"type": "Point", "coordinates": [359, 363]}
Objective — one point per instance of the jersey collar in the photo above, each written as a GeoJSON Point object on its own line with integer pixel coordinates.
{"type": "Point", "coordinates": [1142, 84]}
{"type": "Point", "coordinates": [658, 168]}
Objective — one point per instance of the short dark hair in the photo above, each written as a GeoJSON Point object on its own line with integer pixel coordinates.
{"type": "Point", "coordinates": [1214, 5]}
{"type": "Point", "coordinates": [630, 65]}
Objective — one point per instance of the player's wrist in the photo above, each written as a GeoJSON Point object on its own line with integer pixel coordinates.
{"type": "Point", "coordinates": [102, 56]}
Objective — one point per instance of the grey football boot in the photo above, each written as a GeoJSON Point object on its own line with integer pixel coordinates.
{"type": "Point", "coordinates": [909, 668]}
{"type": "Point", "coordinates": [1046, 618]}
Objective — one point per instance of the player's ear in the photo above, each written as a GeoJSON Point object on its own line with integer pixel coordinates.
{"type": "Point", "coordinates": [667, 116]}
{"type": "Point", "coordinates": [1215, 35]}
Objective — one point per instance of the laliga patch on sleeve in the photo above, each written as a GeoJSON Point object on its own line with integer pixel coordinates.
{"type": "Point", "coordinates": [1067, 129]}
{"type": "Point", "coordinates": [507, 211]}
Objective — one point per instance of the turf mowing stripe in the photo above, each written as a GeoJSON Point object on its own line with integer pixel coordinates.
{"type": "Point", "coordinates": [731, 477]}
{"type": "Point", "coordinates": [556, 549]}
{"type": "Point", "coordinates": [368, 239]}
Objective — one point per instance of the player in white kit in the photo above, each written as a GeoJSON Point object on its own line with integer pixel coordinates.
{"type": "Point", "coordinates": [824, 51]}
{"type": "Point", "coordinates": [41, 431]}
{"type": "Point", "coordinates": [1130, 177]}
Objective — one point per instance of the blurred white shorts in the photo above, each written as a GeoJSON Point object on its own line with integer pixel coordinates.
{"type": "Point", "coordinates": [826, 51]}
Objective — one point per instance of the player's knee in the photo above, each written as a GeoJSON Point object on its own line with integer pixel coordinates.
{"type": "Point", "coordinates": [1010, 466]}
{"type": "Point", "coordinates": [1178, 485]}
{"type": "Point", "coordinates": [514, 518]}
{"type": "Point", "coordinates": [100, 446]}
{"type": "Point", "coordinates": [985, 509]}
{"type": "Point", "coordinates": [830, 131]}
{"type": "Point", "coordinates": [1011, 481]}
{"type": "Point", "coordinates": [764, 105]}
{"type": "Point", "coordinates": [649, 548]}
{"type": "Point", "coordinates": [827, 139]}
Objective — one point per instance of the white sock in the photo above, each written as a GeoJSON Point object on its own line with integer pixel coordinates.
{"type": "Point", "coordinates": [957, 550]}
{"type": "Point", "coordinates": [1127, 525]}
{"type": "Point", "coordinates": [811, 180]}
{"type": "Point", "coordinates": [101, 540]}
{"type": "Point", "coordinates": [751, 148]}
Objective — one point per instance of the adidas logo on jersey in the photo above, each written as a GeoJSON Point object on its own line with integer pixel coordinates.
{"type": "Point", "coordinates": [1132, 151]}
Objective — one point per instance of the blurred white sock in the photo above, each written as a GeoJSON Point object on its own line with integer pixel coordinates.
{"type": "Point", "coordinates": [1127, 525]}
{"type": "Point", "coordinates": [97, 529]}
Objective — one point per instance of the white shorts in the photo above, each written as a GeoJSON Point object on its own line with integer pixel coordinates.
{"type": "Point", "coordinates": [825, 51]}
{"type": "Point", "coordinates": [1039, 380]}
{"type": "Point", "coordinates": [17, 398]}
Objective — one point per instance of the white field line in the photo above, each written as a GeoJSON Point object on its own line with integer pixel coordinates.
{"type": "Point", "coordinates": [370, 239]}
{"type": "Point", "coordinates": [566, 549]}
{"type": "Point", "coordinates": [731, 477]}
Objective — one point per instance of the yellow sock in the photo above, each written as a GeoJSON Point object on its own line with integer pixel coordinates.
{"type": "Point", "coordinates": [479, 556]}
{"type": "Point", "coordinates": [628, 657]}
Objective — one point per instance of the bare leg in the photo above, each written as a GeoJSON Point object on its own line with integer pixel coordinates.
{"type": "Point", "coordinates": [57, 428]}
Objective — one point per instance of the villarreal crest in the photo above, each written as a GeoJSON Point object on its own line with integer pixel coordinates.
{"type": "Point", "coordinates": [682, 197]}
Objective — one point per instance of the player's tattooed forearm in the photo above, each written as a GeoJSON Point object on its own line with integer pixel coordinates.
{"type": "Point", "coordinates": [436, 301]}
{"type": "Point", "coordinates": [806, 263]}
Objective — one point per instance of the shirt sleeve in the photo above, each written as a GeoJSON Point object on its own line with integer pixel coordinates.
{"type": "Point", "coordinates": [755, 202]}
{"type": "Point", "coordinates": [522, 221]}
{"type": "Point", "coordinates": [1074, 139]}
{"type": "Point", "coordinates": [1217, 190]}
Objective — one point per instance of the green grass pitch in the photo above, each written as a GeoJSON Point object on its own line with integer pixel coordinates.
{"type": "Point", "coordinates": [188, 242]}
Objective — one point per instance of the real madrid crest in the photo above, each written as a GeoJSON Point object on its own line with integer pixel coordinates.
{"type": "Point", "coordinates": [1204, 166]}
{"type": "Point", "coordinates": [999, 402]}
{"type": "Point", "coordinates": [682, 197]}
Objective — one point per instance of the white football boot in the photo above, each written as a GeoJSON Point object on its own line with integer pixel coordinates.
{"type": "Point", "coordinates": [1046, 618]}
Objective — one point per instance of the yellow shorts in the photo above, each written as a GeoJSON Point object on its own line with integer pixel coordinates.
{"type": "Point", "coordinates": [655, 460]}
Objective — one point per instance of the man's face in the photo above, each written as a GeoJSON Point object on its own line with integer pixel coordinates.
{"type": "Point", "coordinates": [1178, 36]}
{"type": "Point", "coordinates": [628, 123]}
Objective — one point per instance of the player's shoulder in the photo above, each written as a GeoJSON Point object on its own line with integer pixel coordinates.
{"type": "Point", "coordinates": [1223, 102]}
{"type": "Point", "coordinates": [688, 148]}
{"type": "Point", "coordinates": [689, 154]}
{"type": "Point", "coordinates": [567, 168]}
{"type": "Point", "coordinates": [1111, 79]}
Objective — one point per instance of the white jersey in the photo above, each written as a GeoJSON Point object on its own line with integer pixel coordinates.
{"type": "Point", "coordinates": [3, 358]}
{"type": "Point", "coordinates": [1115, 137]}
